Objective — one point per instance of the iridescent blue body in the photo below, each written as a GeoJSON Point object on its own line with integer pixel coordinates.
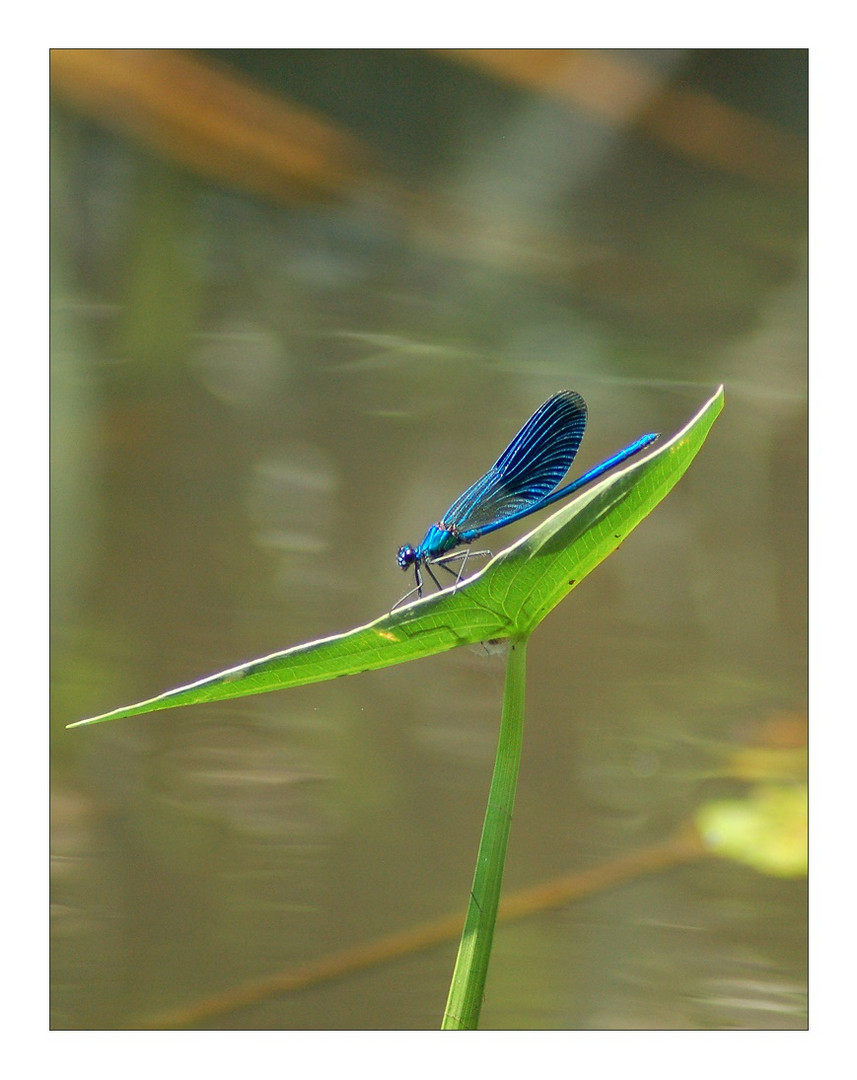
{"type": "Point", "coordinates": [520, 482]}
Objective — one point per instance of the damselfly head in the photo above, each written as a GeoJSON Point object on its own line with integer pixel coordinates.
{"type": "Point", "coordinates": [406, 556]}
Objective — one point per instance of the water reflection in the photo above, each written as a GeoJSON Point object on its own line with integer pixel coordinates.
{"type": "Point", "coordinates": [276, 362]}
{"type": "Point", "coordinates": [293, 501]}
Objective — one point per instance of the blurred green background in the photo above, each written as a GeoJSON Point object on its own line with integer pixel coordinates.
{"type": "Point", "coordinates": [301, 299]}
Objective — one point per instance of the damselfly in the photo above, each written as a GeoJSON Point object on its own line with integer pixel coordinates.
{"type": "Point", "coordinates": [520, 482]}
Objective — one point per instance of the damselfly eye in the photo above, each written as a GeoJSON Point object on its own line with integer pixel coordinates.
{"type": "Point", "coordinates": [406, 556]}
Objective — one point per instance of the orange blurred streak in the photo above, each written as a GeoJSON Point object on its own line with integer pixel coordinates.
{"type": "Point", "coordinates": [776, 749]}
{"type": "Point", "coordinates": [684, 847]}
{"type": "Point", "coordinates": [208, 120]}
{"type": "Point", "coordinates": [689, 122]}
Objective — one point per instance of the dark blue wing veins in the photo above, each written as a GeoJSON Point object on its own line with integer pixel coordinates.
{"type": "Point", "coordinates": [521, 481]}
{"type": "Point", "coordinates": [529, 468]}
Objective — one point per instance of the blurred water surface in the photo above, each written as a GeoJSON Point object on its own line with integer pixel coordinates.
{"type": "Point", "coordinates": [300, 301]}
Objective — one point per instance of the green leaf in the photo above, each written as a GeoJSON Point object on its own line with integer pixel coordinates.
{"type": "Point", "coordinates": [766, 829]}
{"type": "Point", "coordinates": [506, 599]}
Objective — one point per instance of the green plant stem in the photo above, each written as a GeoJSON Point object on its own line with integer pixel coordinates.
{"type": "Point", "coordinates": [471, 966]}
